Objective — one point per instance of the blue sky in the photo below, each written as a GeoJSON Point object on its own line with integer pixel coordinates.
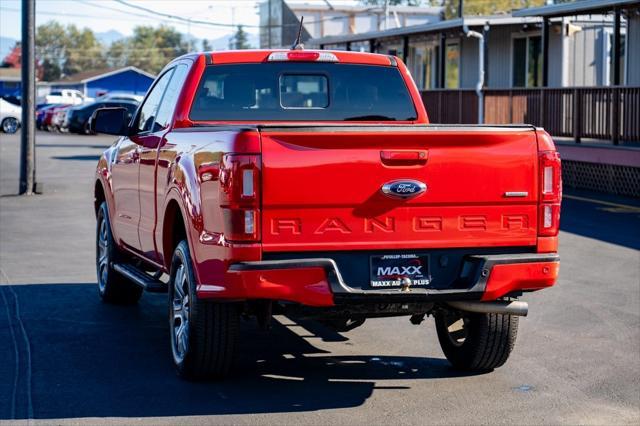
{"type": "Point", "coordinates": [103, 15]}
{"type": "Point", "coordinates": [106, 15]}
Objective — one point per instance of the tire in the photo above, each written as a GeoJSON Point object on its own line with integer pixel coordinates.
{"type": "Point", "coordinates": [112, 287]}
{"type": "Point", "coordinates": [477, 342]}
{"type": "Point", "coordinates": [10, 125]}
{"type": "Point", "coordinates": [203, 334]}
{"type": "Point", "coordinates": [86, 129]}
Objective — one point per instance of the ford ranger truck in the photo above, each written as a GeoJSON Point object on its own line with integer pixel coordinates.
{"type": "Point", "coordinates": [310, 183]}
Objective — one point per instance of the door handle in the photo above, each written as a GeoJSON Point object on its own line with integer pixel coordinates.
{"type": "Point", "coordinates": [404, 156]}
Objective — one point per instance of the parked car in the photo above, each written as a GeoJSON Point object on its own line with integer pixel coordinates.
{"type": "Point", "coordinates": [66, 96]}
{"type": "Point", "coordinates": [40, 114]}
{"type": "Point", "coordinates": [10, 116]}
{"type": "Point", "coordinates": [310, 183]}
{"type": "Point", "coordinates": [77, 118]}
{"type": "Point", "coordinates": [53, 117]}
{"type": "Point", "coordinates": [13, 99]}
{"type": "Point", "coordinates": [120, 96]}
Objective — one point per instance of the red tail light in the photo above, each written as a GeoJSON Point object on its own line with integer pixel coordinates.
{"type": "Point", "coordinates": [550, 193]}
{"type": "Point", "coordinates": [240, 196]}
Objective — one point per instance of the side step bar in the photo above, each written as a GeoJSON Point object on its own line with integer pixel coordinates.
{"type": "Point", "coordinates": [141, 278]}
{"type": "Point", "coordinates": [496, 307]}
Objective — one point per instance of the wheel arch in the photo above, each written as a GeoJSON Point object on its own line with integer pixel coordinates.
{"type": "Point", "coordinates": [174, 230]}
{"type": "Point", "coordinates": [99, 196]}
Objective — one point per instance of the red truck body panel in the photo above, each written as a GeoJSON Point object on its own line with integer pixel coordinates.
{"type": "Point", "coordinates": [317, 190]}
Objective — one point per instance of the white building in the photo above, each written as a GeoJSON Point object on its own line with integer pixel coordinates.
{"type": "Point", "coordinates": [327, 19]}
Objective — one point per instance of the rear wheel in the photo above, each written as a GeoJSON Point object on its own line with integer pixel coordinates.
{"type": "Point", "coordinates": [473, 341]}
{"type": "Point", "coordinates": [203, 334]}
{"type": "Point", "coordinates": [112, 287]}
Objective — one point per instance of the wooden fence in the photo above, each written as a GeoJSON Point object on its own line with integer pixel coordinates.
{"type": "Point", "coordinates": [607, 113]}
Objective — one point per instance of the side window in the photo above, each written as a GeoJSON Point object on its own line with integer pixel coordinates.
{"type": "Point", "coordinates": [146, 119]}
{"type": "Point", "coordinates": [170, 98]}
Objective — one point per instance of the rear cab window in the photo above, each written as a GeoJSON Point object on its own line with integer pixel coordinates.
{"type": "Point", "coordinates": [290, 91]}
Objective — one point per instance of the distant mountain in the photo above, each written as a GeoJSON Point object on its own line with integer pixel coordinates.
{"type": "Point", "coordinates": [222, 43]}
{"type": "Point", "coordinates": [109, 37]}
{"type": "Point", "coordinates": [6, 44]}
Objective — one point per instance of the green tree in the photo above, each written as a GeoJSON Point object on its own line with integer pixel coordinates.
{"type": "Point", "coordinates": [67, 50]}
{"type": "Point", "coordinates": [117, 55]}
{"type": "Point", "coordinates": [51, 45]}
{"type": "Point", "coordinates": [240, 40]}
{"type": "Point", "coordinates": [84, 51]}
{"type": "Point", "coordinates": [51, 70]}
{"type": "Point", "coordinates": [149, 48]}
{"type": "Point", "coordinates": [206, 46]}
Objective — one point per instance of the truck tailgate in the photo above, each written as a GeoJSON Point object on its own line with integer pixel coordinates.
{"type": "Point", "coordinates": [322, 187]}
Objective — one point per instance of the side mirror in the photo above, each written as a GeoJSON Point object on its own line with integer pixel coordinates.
{"type": "Point", "coordinates": [112, 121]}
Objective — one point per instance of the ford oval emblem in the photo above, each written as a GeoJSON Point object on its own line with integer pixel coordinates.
{"type": "Point", "coordinates": [403, 188]}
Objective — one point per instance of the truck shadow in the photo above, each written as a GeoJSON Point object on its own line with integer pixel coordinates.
{"type": "Point", "coordinates": [614, 224]}
{"type": "Point", "coordinates": [90, 359]}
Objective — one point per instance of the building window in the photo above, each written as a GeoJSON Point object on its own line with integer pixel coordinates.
{"type": "Point", "coordinates": [336, 46]}
{"type": "Point", "coordinates": [361, 46]}
{"type": "Point", "coordinates": [393, 47]}
{"type": "Point", "coordinates": [607, 60]}
{"type": "Point", "coordinates": [452, 65]}
{"type": "Point", "coordinates": [527, 61]}
{"type": "Point", "coordinates": [423, 64]}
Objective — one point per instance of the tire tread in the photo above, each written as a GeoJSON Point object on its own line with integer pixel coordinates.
{"type": "Point", "coordinates": [490, 340]}
{"type": "Point", "coordinates": [213, 334]}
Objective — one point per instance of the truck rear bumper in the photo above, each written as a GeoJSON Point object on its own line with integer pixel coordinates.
{"type": "Point", "coordinates": [318, 282]}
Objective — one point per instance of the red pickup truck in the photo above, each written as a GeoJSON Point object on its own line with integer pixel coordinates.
{"type": "Point", "coordinates": [310, 183]}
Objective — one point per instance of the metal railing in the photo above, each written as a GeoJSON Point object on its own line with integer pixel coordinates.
{"type": "Point", "coordinates": [608, 113]}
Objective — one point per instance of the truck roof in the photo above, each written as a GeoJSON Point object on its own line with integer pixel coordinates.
{"type": "Point", "coordinates": [261, 55]}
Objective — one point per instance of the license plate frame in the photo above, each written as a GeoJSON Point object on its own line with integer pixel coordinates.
{"type": "Point", "coordinates": [387, 271]}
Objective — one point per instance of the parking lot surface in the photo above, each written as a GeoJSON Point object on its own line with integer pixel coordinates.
{"type": "Point", "coordinates": [67, 358]}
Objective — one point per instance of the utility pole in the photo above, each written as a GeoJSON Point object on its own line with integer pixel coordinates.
{"type": "Point", "coordinates": [189, 34]}
{"type": "Point", "coordinates": [27, 140]}
{"type": "Point", "coordinates": [269, 26]}
{"type": "Point", "coordinates": [386, 14]}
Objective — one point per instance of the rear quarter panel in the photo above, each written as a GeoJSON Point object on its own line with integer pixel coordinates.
{"type": "Point", "coordinates": [178, 181]}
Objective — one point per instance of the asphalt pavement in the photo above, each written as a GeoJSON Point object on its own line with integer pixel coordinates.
{"type": "Point", "coordinates": [67, 358]}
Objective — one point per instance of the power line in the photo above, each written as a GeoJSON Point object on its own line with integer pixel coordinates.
{"type": "Point", "coordinates": [103, 6]}
{"type": "Point", "coordinates": [218, 24]}
{"type": "Point", "coordinates": [180, 18]}
{"type": "Point", "coordinates": [73, 15]}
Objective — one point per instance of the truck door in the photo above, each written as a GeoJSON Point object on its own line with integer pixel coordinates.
{"type": "Point", "coordinates": [126, 168]}
{"type": "Point", "coordinates": [149, 159]}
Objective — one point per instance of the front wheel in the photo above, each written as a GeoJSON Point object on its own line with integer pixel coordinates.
{"type": "Point", "coordinates": [473, 341]}
{"type": "Point", "coordinates": [112, 287]}
{"type": "Point", "coordinates": [203, 334]}
{"type": "Point", "coordinates": [10, 125]}
{"type": "Point", "coordinates": [86, 128]}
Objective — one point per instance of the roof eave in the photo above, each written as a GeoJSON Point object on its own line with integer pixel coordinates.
{"type": "Point", "coordinates": [575, 8]}
{"type": "Point", "coordinates": [118, 71]}
{"type": "Point", "coordinates": [433, 27]}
